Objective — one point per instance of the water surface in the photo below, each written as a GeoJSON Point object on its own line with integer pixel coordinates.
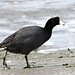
{"type": "Point", "coordinates": [15, 14]}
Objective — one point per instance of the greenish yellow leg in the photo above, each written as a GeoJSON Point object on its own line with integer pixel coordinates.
{"type": "Point", "coordinates": [28, 66]}
{"type": "Point", "coordinates": [4, 61]}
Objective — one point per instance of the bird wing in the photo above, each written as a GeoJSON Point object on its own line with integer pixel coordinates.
{"type": "Point", "coordinates": [7, 41]}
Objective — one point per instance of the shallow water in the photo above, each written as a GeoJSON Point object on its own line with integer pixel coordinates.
{"type": "Point", "coordinates": [15, 14]}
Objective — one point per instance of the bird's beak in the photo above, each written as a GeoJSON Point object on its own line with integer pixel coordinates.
{"type": "Point", "coordinates": [62, 23]}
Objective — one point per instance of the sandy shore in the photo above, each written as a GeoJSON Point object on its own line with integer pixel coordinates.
{"type": "Point", "coordinates": [54, 63]}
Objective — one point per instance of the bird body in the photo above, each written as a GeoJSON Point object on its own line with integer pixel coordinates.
{"type": "Point", "coordinates": [28, 39]}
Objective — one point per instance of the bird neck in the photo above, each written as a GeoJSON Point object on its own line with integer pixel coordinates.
{"type": "Point", "coordinates": [49, 28]}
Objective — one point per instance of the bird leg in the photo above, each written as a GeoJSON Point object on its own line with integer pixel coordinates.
{"type": "Point", "coordinates": [4, 61]}
{"type": "Point", "coordinates": [28, 66]}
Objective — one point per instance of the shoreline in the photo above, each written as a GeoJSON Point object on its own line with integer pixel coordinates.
{"type": "Point", "coordinates": [14, 16]}
{"type": "Point", "coordinates": [56, 63]}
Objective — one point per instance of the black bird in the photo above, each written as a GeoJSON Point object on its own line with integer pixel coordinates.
{"type": "Point", "coordinates": [28, 39]}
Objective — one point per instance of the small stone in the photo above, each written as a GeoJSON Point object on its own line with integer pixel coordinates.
{"type": "Point", "coordinates": [65, 64]}
{"type": "Point", "coordinates": [60, 57]}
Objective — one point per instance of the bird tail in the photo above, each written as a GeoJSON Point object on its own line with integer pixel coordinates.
{"type": "Point", "coordinates": [2, 49]}
{"type": "Point", "coordinates": [0, 45]}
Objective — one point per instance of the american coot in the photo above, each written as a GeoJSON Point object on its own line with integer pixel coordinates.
{"type": "Point", "coordinates": [28, 39]}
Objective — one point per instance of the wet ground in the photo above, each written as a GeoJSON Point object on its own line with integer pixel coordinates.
{"type": "Point", "coordinates": [16, 14]}
{"type": "Point", "coordinates": [54, 63]}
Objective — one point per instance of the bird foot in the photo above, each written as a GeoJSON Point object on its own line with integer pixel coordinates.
{"type": "Point", "coordinates": [27, 67]}
{"type": "Point", "coordinates": [5, 65]}
{"type": "Point", "coordinates": [33, 67]}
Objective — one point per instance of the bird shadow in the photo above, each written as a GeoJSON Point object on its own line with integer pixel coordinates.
{"type": "Point", "coordinates": [33, 67]}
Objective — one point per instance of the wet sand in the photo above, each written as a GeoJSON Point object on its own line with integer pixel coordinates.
{"type": "Point", "coordinates": [54, 63]}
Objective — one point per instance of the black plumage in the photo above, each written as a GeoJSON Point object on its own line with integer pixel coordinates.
{"type": "Point", "coordinates": [29, 38]}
